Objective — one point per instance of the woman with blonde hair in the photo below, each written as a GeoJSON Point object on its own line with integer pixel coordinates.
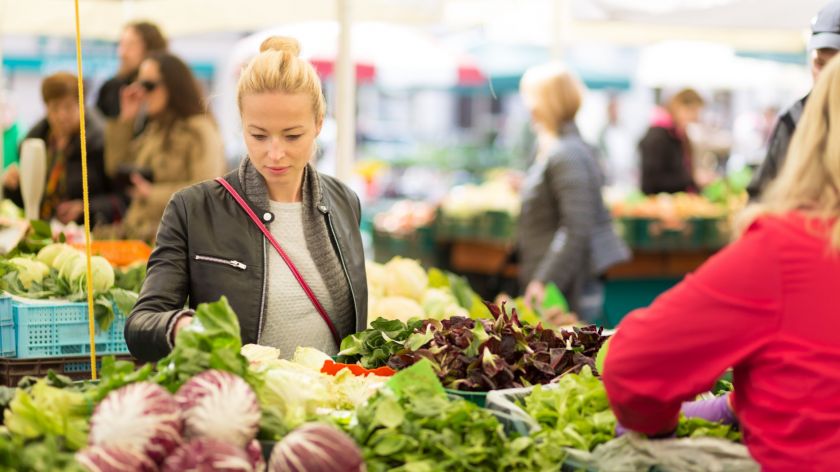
{"type": "Point", "coordinates": [565, 233]}
{"type": "Point", "coordinates": [280, 240]}
{"type": "Point", "coordinates": [763, 307]}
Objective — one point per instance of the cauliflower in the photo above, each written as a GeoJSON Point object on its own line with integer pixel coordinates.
{"type": "Point", "coordinates": [405, 278]}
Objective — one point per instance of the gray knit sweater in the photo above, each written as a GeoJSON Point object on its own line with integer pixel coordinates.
{"type": "Point", "coordinates": [321, 252]}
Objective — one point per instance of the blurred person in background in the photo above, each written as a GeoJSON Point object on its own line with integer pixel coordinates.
{"type": "Point", "coordinates": [138, 40]}
{"type": "Point", "coordinates": [667, 164]}
{"type": "Point", "coordinates": [823, 45]}
{"type": "Point", "coordinates": [180, 146]}
{"type": "Point", "coordinates": [615, 144]}
{"type": "Point", "coordinates": [59, 130]}
{"type": "Point", "coordinates": [566, 234]}
{"type": "Point", "coordinates": [762, 306]}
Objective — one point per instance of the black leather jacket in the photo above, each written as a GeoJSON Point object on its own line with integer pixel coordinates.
{"type": "Point", "coordinates": [205, 220]}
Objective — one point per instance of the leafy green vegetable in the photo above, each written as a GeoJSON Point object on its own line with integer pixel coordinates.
{"type": "Point", "coordinates": [574, 413]}
{"type": "Point", "coordinates": [115, 374]}
{"type": "Point", "coordinates": [211, 341]}
{"type": "Point", "coordinates": [48, 454]}
{"type": "Point", "coordinates": [46, 411]}
{"type": "Point", "coordinates": [373, 347]}
{"type": "Point", "coordinates": [131, 278]}
{"type": "Point", "coordinates": [423, 430]}
{"type": "Point", "coordinates": [698, 427]}
{"type": "Point", "coordinates": [483, 355]}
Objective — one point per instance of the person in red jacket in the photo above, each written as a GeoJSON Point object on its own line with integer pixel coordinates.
{"type": "Point", "coordinates": [763, 306]}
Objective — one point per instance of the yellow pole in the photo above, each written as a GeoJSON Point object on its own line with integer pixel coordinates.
{"type": "Point", "coordinates": [83, 142]}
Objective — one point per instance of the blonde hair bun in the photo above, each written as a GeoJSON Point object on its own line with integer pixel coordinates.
{"type": "Point", "coordinates": [282, 44]}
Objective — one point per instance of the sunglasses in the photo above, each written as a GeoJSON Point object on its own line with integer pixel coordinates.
{"type": "Point", "coordinates": [149, 85]}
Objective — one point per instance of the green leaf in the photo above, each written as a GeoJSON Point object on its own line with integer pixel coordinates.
{"type": "Point", "coordinates": [103, 313]}
{"type": "Point", "coordinates": [41, 229]}
{"type": "Point", "coordinates": [438, 279]}
{"type": "Point", "coordinates": [389, 414]}
{"type": "Point", "coordinates": [124, 299]}
{"type": "Point", "coordinates": [417, 340]}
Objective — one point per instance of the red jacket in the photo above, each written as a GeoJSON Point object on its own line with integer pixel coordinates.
{"type": "Point", "coordinates": [768, 306]}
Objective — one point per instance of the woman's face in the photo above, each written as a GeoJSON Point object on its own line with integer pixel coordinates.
{"type": "Point", "coordinates": [130, 50]}
{"type": "Point", "coordinates": [280, 131]}
{"type": "Point", "coordinates": [63, 116]}
{"type": "Point", "coordinates": [155, 92]}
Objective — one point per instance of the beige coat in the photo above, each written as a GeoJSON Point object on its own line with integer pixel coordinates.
{"type": "Point", "coordinates": [195, 153]}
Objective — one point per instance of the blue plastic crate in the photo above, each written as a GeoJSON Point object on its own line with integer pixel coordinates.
{"type": "Point", "coordinates": [8, 346]}
{"type": "Point", "coordinates": [60, 329]}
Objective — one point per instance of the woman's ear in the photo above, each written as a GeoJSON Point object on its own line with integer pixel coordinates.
{"type": "Point", "coordinates": [318, 125]}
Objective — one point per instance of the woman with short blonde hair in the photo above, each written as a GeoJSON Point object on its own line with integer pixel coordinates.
{"type": "Point", "coordinates": [565, 231]}
{"type": "Point", "coordinates": [276, 237]}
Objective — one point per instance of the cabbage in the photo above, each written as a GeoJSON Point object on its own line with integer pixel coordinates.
{"type": "Point", "coordinates": [405, 278]}
{"type": "Point", "coordinates": [142, 417]}
{"type": "Point", "coordinates": [219, 405]}
{"type": "Point", "coordinates": [115, 459]}
{"type": "Point", "coordinates": [49, 253]}
{"type": "Point", "coordinates": [257, 354]}
{"type": "Point", "coordinates": [316, 447]}
{"type": "Point", "coordinates": [296, 392]}
{"type": "Point", "coordinates": [103, 273]}
{"type": "Point", "coordinates": [206, 455]}
{"type": "Point", "coordinates": [310, 357]}
{"type": "Point", "coordinates": [65, 262]}
{"type": "Point", "coordinates": [29, 271]}
{"type": "Point", "coordinates": [397, 308]}
{"type": "Point", "coordinates": [377, 278]}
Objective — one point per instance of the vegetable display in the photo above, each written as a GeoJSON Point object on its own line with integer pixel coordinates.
{"type": "Point", "coordinates": [482, 355]}
{"type": "Point", "coordinates": [221, 406]}
{"type": "Point", "coordinates": [142, 417]}
{"type": "Point", "coordinates": [575, 412]}
{"type": "Point", "coordinates": [316, 447]}
{"type": "Point", "coordinates": [401, 290]}
{"type": "Point", "coordinates": [59, 272]}
{"type": "Point", "coordinates": [423, 430]}
{"type": "Point", "coordinates": [206, 455]}
{"type": "Point", "coordinates": [373, 347]}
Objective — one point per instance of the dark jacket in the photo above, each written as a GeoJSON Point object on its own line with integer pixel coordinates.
{"type": "Point", "coordinates": [106, 205]}
{"type": "Point", "coordinates": [566, 234]}
{"type": "Point", "coordinates": [205, 220]}
{"type": "Point", "coordinates": [664, 167]}
{"type": "Point", "coordinates": [108, 101]}
{"type": "Point", "coordinates": [777, 148]}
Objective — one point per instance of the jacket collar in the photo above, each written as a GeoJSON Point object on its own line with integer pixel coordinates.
{"type": "Point", "coordinates": [256, 191]}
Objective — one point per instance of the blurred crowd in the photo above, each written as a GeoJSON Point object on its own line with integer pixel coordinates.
{"type": "Point", "coordinates": [149, 135]}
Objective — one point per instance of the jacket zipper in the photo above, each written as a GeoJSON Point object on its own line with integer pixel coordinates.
{"type": "Point", "coordinates": [232, 263]}
{"type": "Point", "coordinates": [343, 266]}
{"type": "Point", "coordinates": [262, 299]}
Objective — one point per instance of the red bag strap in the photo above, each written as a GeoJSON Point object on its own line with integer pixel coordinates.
{"type": "Point", "coordinates": [283, 255]}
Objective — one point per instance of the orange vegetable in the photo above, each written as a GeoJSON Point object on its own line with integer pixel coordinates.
{"type": "Point", "coordinates": [333, 368]}
{"type": "Point", "coordinates": [120, 253]}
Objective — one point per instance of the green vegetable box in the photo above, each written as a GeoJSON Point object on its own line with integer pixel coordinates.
{"type": "Point", "coordinates": [49, 328]}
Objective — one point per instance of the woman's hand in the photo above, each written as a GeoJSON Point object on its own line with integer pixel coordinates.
{"type": "Point", "coordinates": [534, 294]}
{"type": "Point", "coordinates": [131, 99]}
{"type": "Point", "coordinates": [141, 188]}
{"type": "Point", "coordinates": [182, 322]}
{"type": "Point", "coordinates": [69, 211]}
